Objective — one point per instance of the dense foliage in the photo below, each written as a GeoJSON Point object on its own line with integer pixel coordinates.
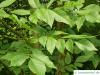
{"type": "Point", "coordinates": [49, 37]}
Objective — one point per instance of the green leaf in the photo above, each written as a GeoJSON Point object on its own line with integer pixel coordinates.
{"type": "Point", "coordinates": [43, 58]}
{"type": "Point", "coordinates": [69, 45]}
{"type": "Point", "coordinates": [61, 16]}
{"type": "Point", "coordinates": [91, 17]}
{"type": "Point", "coordinates": [68, 58]}
{"type": "Point", "coordinates": [51, 43]}
{"type": "Point", "coordinates": [34, 3]}
{"type": "Point", "coordinates": [92, 8]}
{"type": "Point", "coordinates": [79, 22]}
{"type": "Point", "coordinates": [85, 44]}
{"type": "Point", "coordinates": [16, 59]}
{"type": "Point", "coordinates": [60, 45]}
{"type": "Point", "coordinates": [78, 64]}
{"type": "Point", "coordinates": [21, 12]}
{"type": "Point", "coordinates": [58, 33]}
{"type": "Point", "coordinates": [33, 18]}
{"type": "Point", "coordinates": [6, 3]}
{"type": "Point", "coordinates": [95, 60]}
{"type": "Point", "coordinates": [78, 36]}
{"type": "Point", "coordinates": [84, 58]}
{"type": "Point", "coordinates": [37, 66]}
{"type": "Point", "coordinates": [3, 14]}
{"type": "Point", "coordinates": [45, 15]}
{"type": "Point", "coordinates": [43, 40]}
{"type": "Point", "coordinates": [50, 3]}
{"type": "Point", "coordinates": [70, 68]}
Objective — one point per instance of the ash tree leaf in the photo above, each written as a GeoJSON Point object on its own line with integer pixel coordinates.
{"type": "Point", "coordinates": [43, 40]}
{"type": "Point", "coordinates": [50, 3]}
{"type": "Point", "coordinates": [79, 22]}
{"type": "Point", "coordinates": [95, 60]}
{"type": "Point", "coordinates": [90, 12]}
{"type": "Point", "coordinates": [85, 44]}
{"type": "Point", "coordinates": [51, 44]}
{"type": "Point", "coordinates": [45, 15]}
{"type": "Point", "coordinates": [37, 66]}
{"type": "Point", "coordinates": [43, 58]}
{"type": "Point", "coordinates": [69, 45]}
{"type": "Point", "coordinates": [60, 45]}
{"type": "Point", "coordinates": [93, 7]}
{"type": "Point", "coordinates": [34, 3]}
{"type": "Point", "coordinates": [84, 58]}
{"type": "Point", "coordinates": [68, 58]}
{"type": "Point", "coordinates": [91, 17]}
{"type": "Point", "coordinates": [78, 64]}
{"type": "Point", "coordinates": [78, 36]}
{"type": "Point", "coordinates": [61, 16]}
{"type": "Point", "coordinates": [21, 12]}
{"type": "Point", "coordinates": [3, 14]}
{"type": "Point", "coordinates": [58, 33]}
{"type": "Point", "coordinates": [6, 3]}
{"type": "Point", "coordinates": [16, 59]}
{"type": "Point", "coordinates": [33, 18]}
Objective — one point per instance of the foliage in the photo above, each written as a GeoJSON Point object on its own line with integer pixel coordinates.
{"type": "Point", "coordinates": [49, 37]}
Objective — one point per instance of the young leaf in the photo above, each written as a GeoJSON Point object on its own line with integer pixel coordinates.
{"type": "Point", "coordinates": [51, 43]}
{"type": "Point", "coordinates": [85, 44]}
{"type": "Point", "coordinates": [43, 58]}
{"type": "Point", "coordinates": [43, 40]}
{"type": "Point", "coordinates": [6, 3]}
{"type": "Point", "coordinates": [37, 66]}
{"type": "Point", "coordinates": [21, 12]}
{"type": "Point", "coordinates": [60, 45]}
{"type": "Point", "coordinates": [69, 45]}
{"type": "Point", "coordinates": [68, 58]}
{"type": "Point", "coordinates": [34, 3]}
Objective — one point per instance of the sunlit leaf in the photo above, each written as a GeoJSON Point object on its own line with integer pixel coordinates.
{"type": "Point", "coordinates": [69, 45]}
{"type": "Point", "coordinates": [51, 43]}
{"type": "Point", "coordinates": [34, 3]}
{"type": "Point", "coordinates": [21, 12]}
{"type": "Point", "coordinates": [60, 45]}
{"type": "Point", "coordinates": [85, 45]}
{"type": "Point", "coordinates": [37, 66]}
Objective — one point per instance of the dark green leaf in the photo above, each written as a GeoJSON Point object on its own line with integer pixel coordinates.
{"type": "Point", "coordinates": [68, 58]}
